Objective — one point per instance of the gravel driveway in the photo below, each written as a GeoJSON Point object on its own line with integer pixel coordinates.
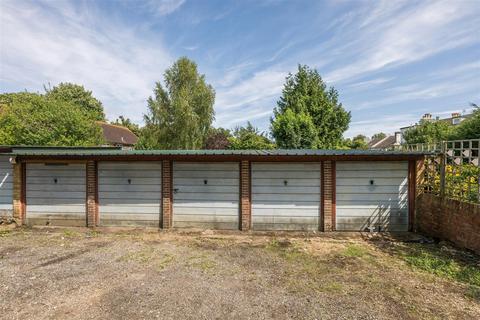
{"type": "Point", "coordinates": [82, 274]}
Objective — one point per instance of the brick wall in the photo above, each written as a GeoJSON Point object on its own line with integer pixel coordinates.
{"type": "Point", "coordinates": [328, 195]}
{"type": "Point", "coordinates": [92, 185]}
{"type": "Point", "coordinates": [18, 190]}
{"type": "Point", "coordinates": [449, 219]}
{"type": "Point", "coordinates": [245, 203]}
{"type": "Point", "coordinates": [167, 194]}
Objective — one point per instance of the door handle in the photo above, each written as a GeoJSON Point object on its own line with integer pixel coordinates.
{"type": "Point", "coordinates": [175, 190]}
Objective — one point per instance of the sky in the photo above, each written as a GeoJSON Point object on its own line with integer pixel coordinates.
{"type": "Point", "coordinates": [390, 61]}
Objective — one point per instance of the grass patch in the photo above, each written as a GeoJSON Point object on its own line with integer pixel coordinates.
{"type": "Point", "coordinates": [202, 263]}
{"type": "Point", "coordinates": [165, 261]}
{"type": "Point", "coordinates": [5, 233]}
{"type": "Point", "coordinates": [354, 251]}
{"type": "Point", "coordinates": [446, 264]}
{"type": "Point", "coordinates": [303, 270]}
{"type": "Point", "coordinates": [93, 234]}
{"type": "Point", "coordinates": [70, 233]}
{"type": "Point", "coordinates": [473, 292]}
{"type": "Point", "coordinates": [142, 256]}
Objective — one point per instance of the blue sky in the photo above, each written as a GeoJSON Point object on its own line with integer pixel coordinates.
{"type": "Point", "coordinates": [391, 61]}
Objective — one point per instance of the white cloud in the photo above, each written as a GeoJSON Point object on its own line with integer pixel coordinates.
{"type": "Point", "coordinates": [262, 85]}
{"type": "Point", "coordinates": [410, 34]}
{"type": "Point", "coordinates": [388, 124]}
{"type": "Point", "coordinates": [369, 83]}
{"type": "Point", "coordinates": [60, 42]}
{"type": "Point", "coordinates": [164, 7]}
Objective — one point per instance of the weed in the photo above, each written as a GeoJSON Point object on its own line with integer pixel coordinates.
{"type": "Point", "coordinates": [5, 233]}
{"type": "Point", "coordinates": [142, 256]}
{"type": "Point", "coordinates": [93, 234]}
{"type": "Point", "coordinates": [473, 292]}
{"type": "Point", "coordinates": [441, 263]}
{"type": "Point", "coordinates": [165, 261]}
{"type": "Point", "coordinates": [70, 233]}
{"type": "Point", "coordinates": [201, 262]}
{"type": "Point", "coordinates": [354, 251]}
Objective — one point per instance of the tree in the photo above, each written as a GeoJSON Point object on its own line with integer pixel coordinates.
{"type": "Point", "coordinates": [308, 114]}
{"type": "Point", "coordinates": [78, 96]}
{"type": "Point", "coordinates": [379, 136]}
{"type": "Point", "coordinates": [359, 142]}
{"type": "Point", "coordinates": [250, 138]}
{"type": "Point", "coordinates": [34, 119]}
{"type": "Point", "coordinates": [428, 132]}
{"type": "Point", "coordinates": [179, 115]}
{"type": "Point", "coordinates": [218, 138]}
{"type": "Point", "coordinates": [470, 127]}
{"type": "Point", "coordinates": [126, 122]}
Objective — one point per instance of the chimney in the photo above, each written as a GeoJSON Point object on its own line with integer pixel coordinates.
{"type": "Point", "coordinates": [427, 116]}
{"type": "Point", "coordinates": [456, 115]}
{"type": "Point", "coordinates": [398, 138]}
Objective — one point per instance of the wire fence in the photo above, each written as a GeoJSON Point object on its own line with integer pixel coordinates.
{"type": "Point", "coordinates": [453, 170]}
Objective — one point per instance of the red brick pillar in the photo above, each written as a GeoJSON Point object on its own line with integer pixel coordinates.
{"type": "Point", "coordinates": [92, 194]}
{"type": "Point", "coordinates": [167, 196]}
{"type": "Point", "coordinates": [328, 195]}
{"type": "Point", "coordinates": [245, 195]}
{"type": "Point", "coordinates": [19, 193]}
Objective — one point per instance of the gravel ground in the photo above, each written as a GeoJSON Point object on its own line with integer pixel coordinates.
{"type": "Point", "coordinates": [82, 274]}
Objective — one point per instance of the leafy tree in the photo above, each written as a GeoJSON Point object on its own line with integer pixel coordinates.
{"type": "Point", "coordinates": [379, 136]}
{"type": "Point", "coordinates": [34, 119]}
{"type": "Point", "coordinates": [308, 114]}
{"type": "Point", "coordinates": [78, 96]}
{"type": "Point", "coordinates": [218, 138]}
{"type": "Point", "coordinates": [428, 132]}
{"type": "Point", "coordinates": [179, 115]}
{"type": "Point", "coordinates": [250, 138]}
{"type": "Point", "coordinates": [359, 142]}
{"type": "Point", "coordinates": [470, 127]}
{"type": "Point", "coordinates": [126, 122]}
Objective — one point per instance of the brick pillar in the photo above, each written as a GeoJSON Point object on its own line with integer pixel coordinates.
{"type": "Point", "coordinates": [19, 193]}
{"type": "Point", "coordinates": [328, 195]}
{"type": "Point", "coordinates": [167, 196]}
{"type": "Point", "coordinates": [92, 194]}
{"type": "Point", "coordinates": [245, 195]}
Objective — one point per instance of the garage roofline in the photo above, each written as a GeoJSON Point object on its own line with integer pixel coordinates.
{"type": "Point", "coordinates": [211, 155]}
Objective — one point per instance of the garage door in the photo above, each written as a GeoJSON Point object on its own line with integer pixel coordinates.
{"type": "Point", "coordinates": [206, 195]}
{"type": "Point", "coordinates": [129, 193]}
{"type": "Point", "coordinates": [6, 186]}
{"type": "Point", "coordinates": [286, 196]}
{"type": "Point", "coordinates": [56, 194]}
{"type": "Point", "coordinates": [372, 194]}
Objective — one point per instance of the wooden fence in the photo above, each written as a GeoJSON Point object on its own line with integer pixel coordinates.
{"type": "Point", "coordinates": [453, 169]}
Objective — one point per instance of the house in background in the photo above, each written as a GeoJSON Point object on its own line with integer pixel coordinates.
{"type": "Point", "coordinates": [118, 136]}
{"type": "Point", "coordinates": [390, 142]}
{"type": "Point", "coordinates": [455, 119]}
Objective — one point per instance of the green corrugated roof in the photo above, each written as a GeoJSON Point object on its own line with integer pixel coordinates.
{"type": "Point", "coordinates": [278, 152]}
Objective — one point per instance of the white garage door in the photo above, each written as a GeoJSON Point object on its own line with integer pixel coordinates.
{"type": "Point", "coordinates": [6, 186]}
{"type": "Point", "coordinates": [206, 195]}
{"type": "Point", "coordinates": [56, 194]}
{"type": "Point", "coordinates": [286, 196]}
{"type": "Point", "coordinates": [372, 194]}
{"type": "Point", "coordinates": [129, 193]}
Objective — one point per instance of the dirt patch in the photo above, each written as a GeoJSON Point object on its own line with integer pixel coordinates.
{"type": "Point", "coordinates": [79, 274]}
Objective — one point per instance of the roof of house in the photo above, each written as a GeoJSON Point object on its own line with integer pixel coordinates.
{"type": "Point", "coordinates": [448, 120]}
{"type": "Point", "coordinates": [381, 143]}
{"type": "Point", "coordinates": [114, 134]}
